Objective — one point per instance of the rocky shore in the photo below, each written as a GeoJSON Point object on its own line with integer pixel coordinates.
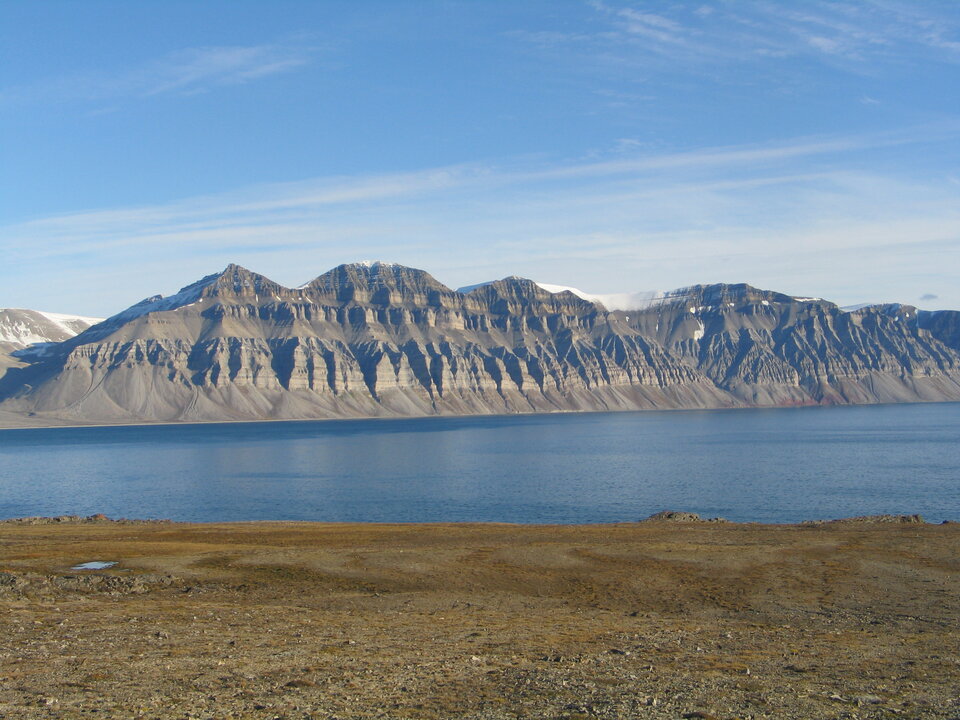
{"type": "Point", "coordinates": [673, 618]}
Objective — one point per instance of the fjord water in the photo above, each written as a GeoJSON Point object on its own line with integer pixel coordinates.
{"type": "Point", "coordinates": [776, 465]}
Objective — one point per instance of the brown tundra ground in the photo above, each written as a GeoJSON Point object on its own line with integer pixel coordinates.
{"type": "Point", "coordinates": [648, 620]}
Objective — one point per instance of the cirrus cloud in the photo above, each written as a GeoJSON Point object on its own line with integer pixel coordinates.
{"type": "Point", "coordinates": [188, 71]}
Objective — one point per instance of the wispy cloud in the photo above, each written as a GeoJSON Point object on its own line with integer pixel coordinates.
{"type": "Point", "coordinates": [198, 69]}
{"type": "Point", "coordinates": [856, 34]}
{"type": "Point", "coordinates": [251, 205]}
{"type": "Point", "coordinates": [795, 217]}
{"type": "Point", "coordinates": [184, 72]}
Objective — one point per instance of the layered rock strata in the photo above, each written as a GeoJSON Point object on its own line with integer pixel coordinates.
{"type": "Point", "coordinates": [387, 340]}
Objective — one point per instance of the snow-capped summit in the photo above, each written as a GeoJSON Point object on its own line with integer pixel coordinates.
{"type": "Point", "coordinates": [374, 263]}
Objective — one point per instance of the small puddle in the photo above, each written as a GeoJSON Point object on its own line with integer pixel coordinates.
{"type": "Point", "coordinates": [94, 565]}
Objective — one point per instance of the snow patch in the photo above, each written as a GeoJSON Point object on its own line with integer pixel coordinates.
{"type": "Point", "coordinates": [611, 301]}
{"type": "Point", "coordinates": [67, 321]}
{"type": "Point", "coordinates": [375, 264]}
{"type": "Point", "coordinates": [21, 334]}
{"type": "Point", "coordinates": [95, 565]}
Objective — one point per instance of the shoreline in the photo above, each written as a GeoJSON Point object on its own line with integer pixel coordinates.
{"type": "Point", "coordinates": [55, 424]}
{"type": "Point", "coordinates": [664, 518]}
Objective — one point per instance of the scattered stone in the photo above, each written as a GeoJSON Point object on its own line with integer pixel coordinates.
{"type": "Point", "coordinates": [300, 683]}
{"type": "Point", "coordinates": [676, 516]}
{"type": "Point", "coordinates": [10, 581]}
{"type": "Point", "coordinates": [871, 520]}
{"type": "Point", "coordinates": [30, 584]}
{"type": "Point", "coordinates": [97, 519]}
{"type": "Point", "coordinates": [705, 612]}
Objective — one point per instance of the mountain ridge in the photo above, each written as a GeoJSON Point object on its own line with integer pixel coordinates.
{"type": "Point", "coordinates": [381, 339]}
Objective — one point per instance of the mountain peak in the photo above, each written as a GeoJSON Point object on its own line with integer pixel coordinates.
{"type": "Point", "coordinates": [376, 282]}
{"type": "Point", "coordinates": [508, 294]}
{"type": "Point", "coordinates": [237, 280]}
{"type": "Point", "coordinates": [716, 294]}
{"type": "Point", "coordinates": [377, 338]}
{"type": "Point", "coordinates": [233, 280]}
{"type": "Point", "coordinates": [376, 264]}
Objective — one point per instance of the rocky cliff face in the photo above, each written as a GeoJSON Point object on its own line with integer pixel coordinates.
{"type": "Point", "coordinates": [386, 340]}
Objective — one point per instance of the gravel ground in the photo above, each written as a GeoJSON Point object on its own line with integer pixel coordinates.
{"type": "Point", "coordinates": [650, 620]}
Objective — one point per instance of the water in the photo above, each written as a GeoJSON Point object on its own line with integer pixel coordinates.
{"type": "Point", "coordinates": [778, 465]}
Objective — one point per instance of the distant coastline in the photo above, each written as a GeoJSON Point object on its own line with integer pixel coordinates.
{"type": "Point", "coordinates": [45, 423]}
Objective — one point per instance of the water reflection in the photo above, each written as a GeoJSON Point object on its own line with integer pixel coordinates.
{"type": "Point", "coordinates": [764, 465]}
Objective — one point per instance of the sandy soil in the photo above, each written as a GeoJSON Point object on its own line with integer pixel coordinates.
{"type": "Point", "coordinates": [649, 620]}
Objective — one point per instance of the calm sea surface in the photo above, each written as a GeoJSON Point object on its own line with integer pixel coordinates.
{"type": "Point", "coordinates": [782, 465]}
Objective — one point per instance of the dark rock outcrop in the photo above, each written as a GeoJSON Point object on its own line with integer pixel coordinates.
{"type": "Point", "coordinates": [681, 517]}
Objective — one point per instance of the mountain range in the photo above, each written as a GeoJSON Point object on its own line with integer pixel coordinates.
{"type": "Point", "coordinates": [381, 340]}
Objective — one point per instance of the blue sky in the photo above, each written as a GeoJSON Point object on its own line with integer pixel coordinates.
{"type": "Point", "coordinates": [807, 147]}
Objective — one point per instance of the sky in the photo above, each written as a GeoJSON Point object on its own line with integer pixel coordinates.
{"type": "Point", "coordinates": [610, 145]}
